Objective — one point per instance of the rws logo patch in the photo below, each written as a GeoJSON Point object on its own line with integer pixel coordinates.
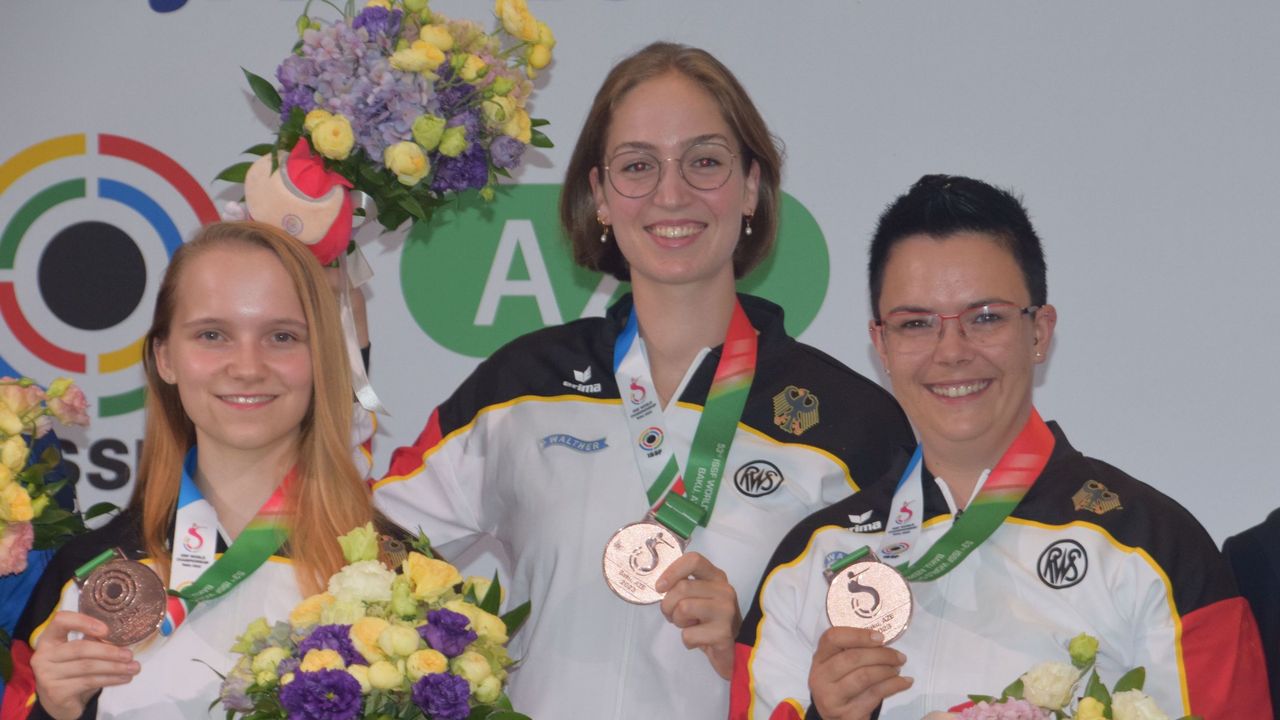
{"type": "Point", "coordinates": [482, 273]}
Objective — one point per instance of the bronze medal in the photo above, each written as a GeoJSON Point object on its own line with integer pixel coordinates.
{"type": "Point", "coordinates": [128, 597]}
{"type": "Point", "coordinates": [869, 594]}
{"type": "Point", "coordinates": [636, 557]}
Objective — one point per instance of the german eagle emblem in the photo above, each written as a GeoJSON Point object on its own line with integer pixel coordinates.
{"type": "Point", "coordinates": [1095, 497]}
{"type": "Point", "coordinates": [795, 410]}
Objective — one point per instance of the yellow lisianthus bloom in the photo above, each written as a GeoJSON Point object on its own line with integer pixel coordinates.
{"type": "Point", "coordinates": [431, 578]}
{"type": "Point", "coordinates": [307, 613]}
{"type": "Point", "coordinates": [364, 636]}
{"type": "Point", "coordinates": [321, 659]}
{"type": "Point", "coordinates": [15, 504]}
{"type": "Point", "coordinates": [425, 662]}
{"type": "Point", "coordinates": [437, 36]}
{"type": "Point", "coordinates": [516, 19]}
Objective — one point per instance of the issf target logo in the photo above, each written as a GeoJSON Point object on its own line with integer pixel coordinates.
{"type": "Point", "coordinates": [89, 223]}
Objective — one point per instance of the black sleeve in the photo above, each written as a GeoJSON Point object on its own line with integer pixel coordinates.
{"type": "Point", "coordinates": [1254, 556]}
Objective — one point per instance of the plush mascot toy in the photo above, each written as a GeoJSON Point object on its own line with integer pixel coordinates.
{"type": "Point", "coordinates": [301, 197]}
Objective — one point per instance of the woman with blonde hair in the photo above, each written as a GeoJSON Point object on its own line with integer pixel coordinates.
{"type": "Point", "coordinates": [244, 361]}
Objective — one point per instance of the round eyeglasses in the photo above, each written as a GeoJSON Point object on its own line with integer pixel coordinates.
{"type": "Point", "coordinates": [704, 166]}
{"type": "Point", "coordinates": [912, 331]}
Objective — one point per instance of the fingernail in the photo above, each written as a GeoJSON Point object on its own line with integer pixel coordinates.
{"type": "Point", "coordinates": [876, 637]}
{"type": "Point", "coordinates": [135, 668]}
{"type": "Point", "coordinates": [660, 586]}
{"type": "Point", "coordinates": [902, 659]}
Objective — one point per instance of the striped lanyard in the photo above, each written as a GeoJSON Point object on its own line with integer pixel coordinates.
{"type": "Point", "coordinates": [680, 506]}
{"type": "Point", "coordinates": [193, 550]}
{"type": "Point", "coordinates": [1004, 488]}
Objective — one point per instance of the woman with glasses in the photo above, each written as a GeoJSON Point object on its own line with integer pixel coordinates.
{"type": "Point", "coordinates": [1012, 541]}
{"type": "Point", "coordinates": [686, 416]}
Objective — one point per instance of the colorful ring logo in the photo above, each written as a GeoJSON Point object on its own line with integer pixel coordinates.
{"type": "Point", "coordinates": [651, 439]}
{"type": "Point", "coordinates": [93, 251]}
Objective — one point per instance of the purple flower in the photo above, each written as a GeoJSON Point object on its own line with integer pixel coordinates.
{"type": "Point", "coordinates": [470, 170]}
{"type": "Point", "coordinates": [323, 695]}
{"type": "Point", "coordinates": [235, 693]}
{"type": "Point", "coordinates": [442, 696]}
{"type": "Point", "coordinates": [446, 631]}
{"type": "Point", "coordinates": [378, 21]}
{"type": "Point", "coordinates": [506, 151]}
{"type": "Point", "coordinates": [332, 637]}
{"type": "Point", "coordinates": [288, 665]}
{"type": "Point", "coordinates": [298, 96]}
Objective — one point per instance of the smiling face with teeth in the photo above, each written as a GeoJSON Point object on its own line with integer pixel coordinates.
{"type": "Point", "coordinates": [966, 402]}
{"type": "Point", "coordinates": [238, 351]}
{"type": "Point", "coordinates": [676, 234]}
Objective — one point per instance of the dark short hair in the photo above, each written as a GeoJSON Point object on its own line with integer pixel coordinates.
{"type": "Point", "coordinates": [577, 206]}
{"type": "Point", "coordinates": [939, 206]}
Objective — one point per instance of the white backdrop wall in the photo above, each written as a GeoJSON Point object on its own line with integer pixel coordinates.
{"type": "Point", "coordinates": [1142, 136]}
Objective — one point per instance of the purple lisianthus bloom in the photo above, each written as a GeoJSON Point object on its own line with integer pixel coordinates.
{"type": "Point", "coordinates": [288, 665]}
{"type": "Point", "coordinates": [506, 151]}
{"type": "Point", "coordinates": [446, 632]}
{"type": "Point", "coordinates": [234, 693]}
{"type": "Point", "coordinates": [322, 695]}
{"type": "Point", "coordinates": [468, 171]}
{"type": "Point", "coordinates": [332, 637]}
{"type": "Point", "coordinates": [442, 696]}
{"type": "Point", "coordinates": [378, 21]}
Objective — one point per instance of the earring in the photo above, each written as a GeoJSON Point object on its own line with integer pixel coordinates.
{"type": "Point", "coordinates": [604, 228]}
{"type": "Point", "coordinates": [1039, 356]}
{"type": "Point", "coordinates": [749, 217]}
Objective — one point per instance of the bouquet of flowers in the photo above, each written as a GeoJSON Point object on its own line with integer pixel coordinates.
{"type": "Point", "coordinates": [404, 104]}
{"type": "Point", "coordinates": [423, 643]}
{"type": "Point", "coordinates": [1048, 690]}
{"type": "Point", "coordinates": [29, 519]}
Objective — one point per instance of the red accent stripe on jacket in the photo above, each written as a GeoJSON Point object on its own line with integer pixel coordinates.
{"type": "Point", "coordinates": [20, 691]}
{"type": "Point", "coordinates": [1226, 673]}
{"type": "Point", "coordinates": [407, 460]}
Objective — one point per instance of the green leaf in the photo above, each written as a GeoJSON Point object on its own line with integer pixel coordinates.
{"type": "Point", "coordinates": [260, 149]}
{"type": "Point", "coordinates": [502, 171]}
{"type": "Point", "coordinates": [52, 515]}
{"type": "Point", "coordinates": [6, 663]}
{"type": "Point", "coordinates": [506, 715]}
{"type": "Point", "coordinates": [1013, 691]}
{"type": "Point", "coordinates": [538, 122]}
{"type": "Point", "coordinates": [412, 207]}
{"type": "Point", "coordinates": [422, 544]}
{"type": "Point", "coordinates": [538, 139]}
{"type": "Point", "coordinates": [1097, 690]}
{"type": "Point", "coordinates": [1132, 680]}
{"type": "Point", "coordinates": [264, 90]}
{"type": "Point", "coordinates": [235, 173]}
{"type": "Point", "coordinates": [981, 698]}
{"type": "Point", "coordinates": [51, 457]}
{"type": "Point", "coordinates": [492, 600]}
{"type": "Point", "coordinates": [101, 508]}
{"type": "Point", "coordinates": [515, 619]}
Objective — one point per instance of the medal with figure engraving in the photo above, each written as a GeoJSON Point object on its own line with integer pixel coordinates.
{"type": "Point", "coordinates": [636, 557]}
{"type": "Point", "coordinates": [866, 593]}
{"type": "Point", "coordinates": [126, 595]}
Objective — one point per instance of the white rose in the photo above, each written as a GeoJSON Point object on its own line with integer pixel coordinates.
{"type": "Point", "coordinates": [1049, 685]}
{"type": "Point", "coordinates": [1134, 705]}
{"type": "Point", "coordinates": [365, 581]}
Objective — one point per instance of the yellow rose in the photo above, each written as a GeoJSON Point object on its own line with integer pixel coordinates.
{"type": "Point", "coordinates": [265, 678]}
{"type": "Point", "coordinates": [498, 109]}
{"type": "Point", "coordinates": [6, 475]}
{"type": "Point", "coordinates": [333, 138]}
{"type": "Point", "coordinates": [473, 666]}
{"type": "Point", "coordinates": [364, 635]}
{"type": "Point", "coordinates": [361, 674]}
{"type": "Point", "coordinates": [379, 3]}
{"type": "Point", "coordinates": [15, 504]}
{"type": "Point", "coordinates": [545, 36]}
{"type": "Point", "coordinates": [398, 640]}
{"type": "Point", "coordinates": [488, 690]}
{"type": "Point", "coordinates": [10, 423]}
{"type": "Point", "coordinates": [385, 676]}
{"type": "Point", "coordinates": [431, 578]}
{"type": "Point", "coordinates": [519, 126]}
{"type": "Point", "coordinates": [409, 164]}
{"type": "Point", "coordinates": [321, 659]}
{"type": "Point", "coordinates": [516, 19]}
{"type": "Point", "coordinates": [307, 613]}
{"type": "Point", "coordinates": [314, 118]}
{"type": "Point", "coordinates": [425, 662]}
{"type": "Point", "coordinates": [418, 57]}
{"type": "Point", "coordinates": [502, 86]}
{"type": "Point", "coordinates": [472, 67]}
{"type": "Point", "coordinates": [269, 660]}
{"type": "Point", "coordinates": [538, 56]}
{"type": "Point", "coordinates": [13, 453]}
{"type": "Point", "coordinates": [1089, 709]}
{"type": "Point", "coordinates": [437, 36]}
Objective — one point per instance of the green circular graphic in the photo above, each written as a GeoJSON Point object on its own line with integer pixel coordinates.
{"type": "Point", "coordinates": [481, 274]}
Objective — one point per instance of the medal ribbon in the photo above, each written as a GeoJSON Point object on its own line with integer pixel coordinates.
{"type": "Point", "coordinates": [260, 539]}
{"type": "Point", "coordinates": [1005, 487]}
{"type": "Point", "coordinates": [683, 508]}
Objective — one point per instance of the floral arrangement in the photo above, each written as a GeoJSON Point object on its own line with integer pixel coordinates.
{"type": "Point", "coordinates": [406, 105]}
{"type": "Point", "coordinates": [29, 519]}
{"type": "Point", "coordinates": [380, 644]}
{"type": "Point", "coordinates": [1048, 690]}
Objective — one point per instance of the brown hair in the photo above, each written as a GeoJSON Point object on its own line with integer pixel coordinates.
{"type": "Point", "coordinates": [577, 206]}
{"type": "Point", "coordinates": [329, 496]}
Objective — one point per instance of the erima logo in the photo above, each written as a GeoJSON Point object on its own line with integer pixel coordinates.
{"type": "Point", "coordinates": [583, 377]}
{"type": "Point", "coordinates": [860, 523]}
